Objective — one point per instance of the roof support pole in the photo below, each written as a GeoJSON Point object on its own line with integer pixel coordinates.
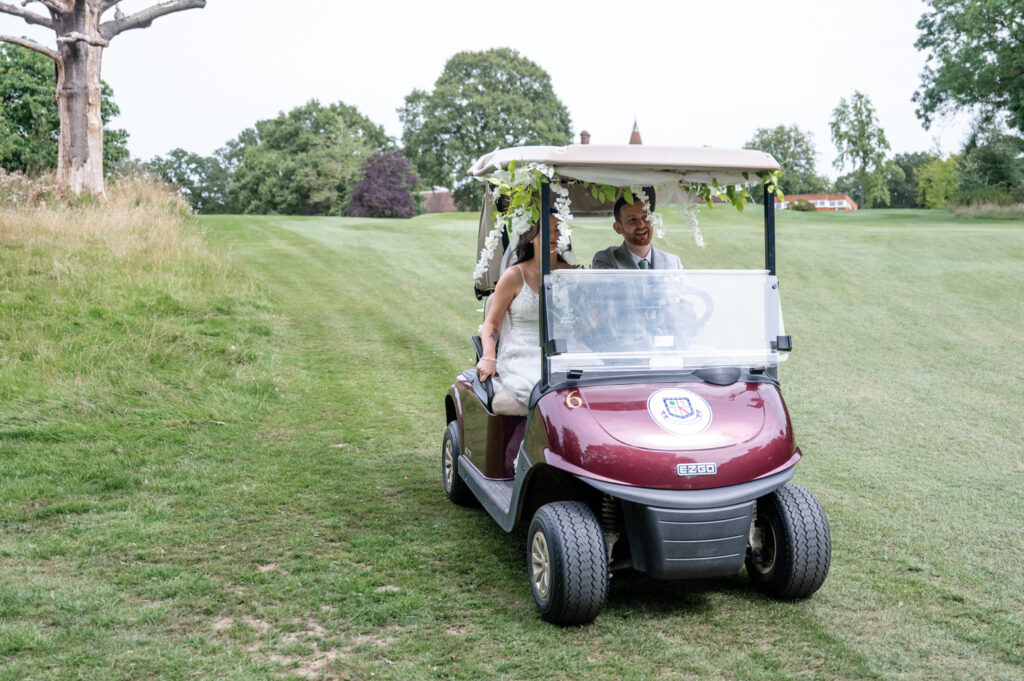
{"type": "Point", "coordinates": [545, 270]}
{"type": "Point", "coordinates": [769, 230]}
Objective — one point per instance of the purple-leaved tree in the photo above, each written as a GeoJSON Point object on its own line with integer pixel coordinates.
{"type": "Point", "coordinates": [386, 190]}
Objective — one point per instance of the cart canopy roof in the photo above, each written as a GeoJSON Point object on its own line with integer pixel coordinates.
{"type": "Point", "coordinates": [631, 164]}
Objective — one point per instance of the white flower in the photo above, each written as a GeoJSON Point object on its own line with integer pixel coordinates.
{"type": "Point", "coordinates": [689, 209]}
{"type": "Point", "coordinates": [520, 223]}
{"type": "Point", "coordinates": [564, 240]}
{"type": "Point", "coordinates": [487, 252]}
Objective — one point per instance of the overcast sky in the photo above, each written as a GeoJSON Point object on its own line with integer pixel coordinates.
{"type": "Point", "coordinates": [692, 73]}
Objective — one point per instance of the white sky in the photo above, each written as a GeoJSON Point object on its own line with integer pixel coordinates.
{"type": "Point", "coordinates": [691, 72]}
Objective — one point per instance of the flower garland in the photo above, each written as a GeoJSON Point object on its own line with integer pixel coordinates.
{"type": "Point", "coordinates": [518, 187]}
{"type": "Point", "coordinates": [563, 212]}
{"type": "Point", "coordinates": [688, 208]}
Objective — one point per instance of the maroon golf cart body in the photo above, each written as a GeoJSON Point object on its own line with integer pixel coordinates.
{"type": "Point", "coordinates": [657, 438]}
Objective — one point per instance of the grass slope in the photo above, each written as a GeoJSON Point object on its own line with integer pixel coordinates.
{"type": "Point", "coordinates": [226, 465]}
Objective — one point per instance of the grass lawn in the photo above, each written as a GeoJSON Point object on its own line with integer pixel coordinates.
{"type": "Point", "coordinates": [227, 465]}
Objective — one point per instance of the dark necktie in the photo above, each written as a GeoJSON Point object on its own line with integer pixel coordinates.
{"type": "Point", "coordinates": [644, 264]}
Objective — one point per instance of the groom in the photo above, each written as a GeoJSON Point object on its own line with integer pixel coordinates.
{"type": "Point", "coordinates": [636, 252]}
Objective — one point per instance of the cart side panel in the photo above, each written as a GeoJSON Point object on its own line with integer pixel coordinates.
{"type": "Point", "coordinates": [484, 435]}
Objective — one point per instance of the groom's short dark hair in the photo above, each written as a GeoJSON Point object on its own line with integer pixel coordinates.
{"type": "Point", "coordinates": [622, 201]}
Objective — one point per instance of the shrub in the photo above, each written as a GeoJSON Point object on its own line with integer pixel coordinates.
{"type": "Point", "coordinates": [988, 196]}
{"type": "Point", "coordinates": [18, 189]}
{"type": "Point", "coordinates": [802, 205]}
{"type": "Point", "coordinates": [386, 190]}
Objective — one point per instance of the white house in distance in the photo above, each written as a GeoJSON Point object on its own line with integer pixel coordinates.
{"type": "Point", "coordinates": [820, 201]}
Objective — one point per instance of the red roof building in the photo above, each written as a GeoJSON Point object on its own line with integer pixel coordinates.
{"type": "Point", "coordinates": [822, 202]}
{"type": "Point", "coordinates": [438, 201]}
{"type": "Point", "coordinates": [634, 137]}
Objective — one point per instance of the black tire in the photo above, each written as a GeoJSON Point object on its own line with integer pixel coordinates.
{"type": "Point", "coordinates": [455, 487]}
{"type": "Point", "coordinates": [567, 563]}
{"type": "Point", "coordinates": [791, 547]}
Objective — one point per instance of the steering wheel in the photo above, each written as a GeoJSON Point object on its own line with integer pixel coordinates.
{"type": "Point", "coordinates": [687, 303]}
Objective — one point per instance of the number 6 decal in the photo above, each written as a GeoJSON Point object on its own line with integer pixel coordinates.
{"type": "Point", "coordinates": [573, 399]}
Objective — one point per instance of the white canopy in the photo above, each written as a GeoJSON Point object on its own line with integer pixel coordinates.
{"type": "Point", "coordinates": [634, 164]}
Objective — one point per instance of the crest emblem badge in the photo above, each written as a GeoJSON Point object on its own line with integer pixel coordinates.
{"type": "Point", "coordinates": [679, 411]}
{"type": "Point", "coordinates": [678, 407]}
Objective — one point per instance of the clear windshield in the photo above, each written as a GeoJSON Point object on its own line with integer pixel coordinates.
{"type": "Point", "coordinates": [614, 320]}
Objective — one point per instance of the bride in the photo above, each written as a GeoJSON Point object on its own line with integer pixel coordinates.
{"type": "Point", "coordinates": [517, 364]}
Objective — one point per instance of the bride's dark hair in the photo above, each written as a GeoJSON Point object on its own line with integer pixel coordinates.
{"type": "Point", "coordinates": [524, 249]}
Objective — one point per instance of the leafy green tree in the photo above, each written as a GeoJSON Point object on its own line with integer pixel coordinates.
{"type": "Point", "coordinates": [482, 101]}
{"type": "Point", "coordinates": [862, 144]}
{"type": "Point", "coordinates": [877, 186]}
{"type": "Point", "coordinates": [936, 182]}
{"type": "Point", "coordinates": [991, 166]}
{"type": "Point", "coordinates": [203, 180]}
{"type": "Point", "coordinates": [304, 162]}
{"type": "Point", "coordinates": [849, 184]}
{"type": "Point", "coordinates": [794, 150]}
{"type": "Point", "coordinates": [975, 58]}
{"type": "Point", "coordinates": [904, 192]}
{"type": "Point", "coordinates": [29, 122]}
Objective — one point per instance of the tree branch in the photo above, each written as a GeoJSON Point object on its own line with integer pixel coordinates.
{"type": "Point", "coordinates": [107, 4]}
{"type": "Point", "coordinates": [52, 5]}
{"type": "Point", "coordinates": [30, 17]}
{"type": "Point", "coordinates": [143, 18]}
{"type": "Point", "coordinates": [35, 47]}
{"type": "Point", "coordinates": [76, 37]}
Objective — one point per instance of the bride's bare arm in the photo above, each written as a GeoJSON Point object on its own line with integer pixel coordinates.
{"type": "Point", "coordinates": [507, 288]}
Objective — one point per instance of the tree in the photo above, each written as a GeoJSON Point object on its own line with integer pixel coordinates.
{"type": "Point", "coordinates": [203, 180]}
{"type": "Point", "coordinates": [81, 36]}
{"type": "Point", "coordinates": [936, 182]}
{"type": "Point", "coordinates": [386, 190]}
{"type": "Point", "coordinates": [304, 162]}
{"type": "Point", "coordinates": [482, 101]}
{"type": "Point", "coordinates": [975, 58]}
{"type": "Point", "coordinates": [794, 150]}
{"type": "Point", "coordinates": [29, 122]}
{"type": "Point", "coordinates": [990, 169]}
{"type": "Point", "coordinates": [904, 191]}
{"type": "Point", "coordinates": [861, 143]}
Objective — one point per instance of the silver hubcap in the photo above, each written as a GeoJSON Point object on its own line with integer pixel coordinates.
{"type": "Point", "coordinates": [540, 565]}
{"type": "Point", "coordinates": [449, 464]}
{"type": "Point", "coordinates": [763, 544]}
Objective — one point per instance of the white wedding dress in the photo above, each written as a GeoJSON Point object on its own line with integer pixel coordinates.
{"type": "Point", "coordinates": [518, 364]}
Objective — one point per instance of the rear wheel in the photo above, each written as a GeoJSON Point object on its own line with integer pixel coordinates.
{"type": "Point", "coordinates": [567, 563]}
{"type": "Point", "coordinates": [790, 546]}
{"type": "Point", "coordinates": [455, 487]}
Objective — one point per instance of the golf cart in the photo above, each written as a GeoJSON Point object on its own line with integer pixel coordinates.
{"type": "Point", "coordinates": [657, 438]}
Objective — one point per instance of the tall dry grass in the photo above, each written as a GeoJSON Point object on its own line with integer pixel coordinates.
{"type": "Point", "coordinates": [141, 218]}
{"type": "Point", "coordinates": [994, 210]}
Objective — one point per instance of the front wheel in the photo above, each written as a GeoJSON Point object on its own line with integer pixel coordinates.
{"type": "Point", "coordinates": [790, 545]}
{"type": "Point", "coordinates": [455, 487]}
{"type": "Point", "coordinates": [568, 563]}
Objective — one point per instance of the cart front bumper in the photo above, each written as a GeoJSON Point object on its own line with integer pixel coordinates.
{"type": "Point", "coordinates": [688, 534]}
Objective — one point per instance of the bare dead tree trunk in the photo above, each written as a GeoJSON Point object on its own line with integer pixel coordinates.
{"type": "Point", "coordinates": [81, 38]}
{"type": "Point", "coordinates": [80, 148]}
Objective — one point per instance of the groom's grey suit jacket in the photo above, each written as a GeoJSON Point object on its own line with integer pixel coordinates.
{"type": "Point", "coordinates": [619, 258]}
